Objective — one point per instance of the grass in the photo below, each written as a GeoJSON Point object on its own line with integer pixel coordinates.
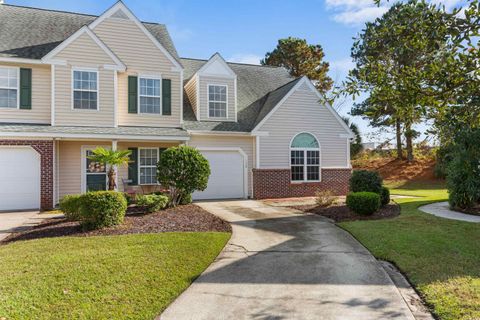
{"type": "Point", "coordinates": [109, 277]}
{"type": "Point", "coordinates": [440, 257]}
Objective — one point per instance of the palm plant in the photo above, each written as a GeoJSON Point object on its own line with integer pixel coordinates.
{"type": "Point", "coordinates": [112, 159]}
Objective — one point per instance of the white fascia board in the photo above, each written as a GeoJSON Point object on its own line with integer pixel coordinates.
{"type": "Point", "coordinates": [92, 136]}
{"type": "Point", "coordinates": [21, 60]}
{"type": "Point", "coordinates": [217, 133]}
{"type": "Point", "coordinates": [219, 58]}
{"type": "Point", "coordinates": [84, 30]}
{"type": "Point", "coordinates": [121, 6]}
{"type": "Point", "coordinates": [258, 126]}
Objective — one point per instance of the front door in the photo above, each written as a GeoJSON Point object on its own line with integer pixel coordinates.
{"type": "Point", "coordinates": [95, 174]}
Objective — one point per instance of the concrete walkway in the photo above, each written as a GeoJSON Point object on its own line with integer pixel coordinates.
{"type": "Point", "coordinates": [281, 264]}
{"type": "Point", "coordinates": [442, 209]}
{"type": "Point", "coordinates": [17, 221]}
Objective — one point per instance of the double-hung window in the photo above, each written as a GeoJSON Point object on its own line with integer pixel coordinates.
{"type": "Point", "coordinates": [9, 81]}
{"type": "Point", "coordinates": [305, 158]}
{"type": "Point", "coordinates": [217, 101]}
{"type": "Point", "coordinates": [85, 90]}
{"type": "Point", "coordinates": [149, 95]}
{"type": "Point", "coordinates": [148, 158]}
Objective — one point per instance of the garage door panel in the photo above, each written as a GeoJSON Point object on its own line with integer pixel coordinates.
{"type": "Point", "coordinates": [19, 178]}
{"type": "Point", "coordinates": [227, 178]}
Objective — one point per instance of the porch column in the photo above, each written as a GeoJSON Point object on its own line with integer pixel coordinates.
{"type": "Point", "coordinates": [114, 148]}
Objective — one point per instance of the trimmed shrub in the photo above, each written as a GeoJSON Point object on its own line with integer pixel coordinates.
{"type": "Point", "coordinates": [385, 196]}
{"type": "Point", "coordinates": [365, 181]}
{"type": "Point", "coordinates": [70, 206]}
{"type": "Point", "coordinates": [364, 203]}
{"type": "Point", "coordinates": [183, 170]}
{"type": "Point", "coordinates": [325, 198]}
{"type": "Point", "coordinates": [102, 209]}
{"type": "Point", "coordinates": [186, 199]}
{"type": "Point", "coordinates": [152, 202]}
{"type": "Point", "coordinates": [463, 170]}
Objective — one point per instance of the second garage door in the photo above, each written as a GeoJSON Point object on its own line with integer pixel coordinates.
{"type": "Point", "coordinates": [227, 178]}
{"type": "Point", "coordinates": [19, 178]}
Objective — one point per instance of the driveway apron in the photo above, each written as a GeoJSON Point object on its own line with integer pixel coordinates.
{"type": "Point", "coordinates": [283, 264]}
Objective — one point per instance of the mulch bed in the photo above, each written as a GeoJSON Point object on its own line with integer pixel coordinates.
{"type": "Point", "coordinates": [475, 211]}
{"type": "Point", "coordinates": [341, 212]}
{"type": "Point", "coordinates": [187, 218]}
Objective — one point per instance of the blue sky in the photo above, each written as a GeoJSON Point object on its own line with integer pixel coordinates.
{"type": "Point", "coordinates": [244, 30]}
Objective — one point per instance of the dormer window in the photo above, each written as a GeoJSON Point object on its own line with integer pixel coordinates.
{"type": "Point", "coordinates": [217, 101]}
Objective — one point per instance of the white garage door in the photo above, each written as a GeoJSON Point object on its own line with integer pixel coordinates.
{"type": "Point", "coordinates": [19, 178]}
{"type": "Point", "coordinates": [227, 178]}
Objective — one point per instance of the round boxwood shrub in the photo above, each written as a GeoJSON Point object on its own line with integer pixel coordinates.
{"type": "Point", "coordinates": [385, 196]}
{"type": "Point", "coordinates": [70, 206]}
{"type": "Point", "coordinates": [186, 199]}
{"type": "Point", "coordinates": [152, 202]}
{"type": "Point", "coordinates": [365, 180]}
{"type": "Point", "coordinates": [102, 209]}
{"type": "Point", "coordinates": [364, 203]}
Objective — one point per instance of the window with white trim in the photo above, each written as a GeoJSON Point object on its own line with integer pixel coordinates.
{"type": "Point", "coordinates": [9, 87]}
{"type": "Point", "coordinates": [305, 158]}
{"type": "Point", "coordinates": [149, 95]}
{"type": "Point", "coordinates": [217, 101]}
{"type": "Point", "coordinates": [148, 158]}
{"type": "Point", "coordinates": [85, 90]}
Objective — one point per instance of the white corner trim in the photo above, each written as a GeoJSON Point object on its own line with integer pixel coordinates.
{"type": "Point", "coordinates": [181, 97]}
{"type": "Point", "coordinates": [197, 109]}
{"type": "Point", "coordinates": [214, 58]}
{"type": "Point", "coordinates": [52, 97]}
{"type": "Point", "coordinates": [115, 99]}
{"type": "Point", "coordinates": [235, 96]}
{"type": "Point", "coordinates": [257, 152]}
{"type": "Point", "coordinates": [77, 34]}
{"type": "Point", "coordinates": [121, 6]}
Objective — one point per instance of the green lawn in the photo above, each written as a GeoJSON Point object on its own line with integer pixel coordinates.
{"type": "Point", "coordinates": [440, 257]}
{"type": "Point", "coordinates": [109, 277]}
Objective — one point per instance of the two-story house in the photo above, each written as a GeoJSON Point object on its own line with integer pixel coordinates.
{"type": "Point", "coordinates": [70, 82]}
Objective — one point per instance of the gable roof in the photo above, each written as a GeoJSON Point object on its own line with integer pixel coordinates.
{"type": "Point", "coordinates": [31, 32]}
{"type": "Point", "coordinates": [257, 87]}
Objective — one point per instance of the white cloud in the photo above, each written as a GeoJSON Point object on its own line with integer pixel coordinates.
{"type": "Point", "coordinates": [449, 4]}
{"type": "Point", "coordinates": [360, 16]}
{"type": "Point", "coordinates": [245, 58]}
{"type": "Point", "coordinates": [340, 68]}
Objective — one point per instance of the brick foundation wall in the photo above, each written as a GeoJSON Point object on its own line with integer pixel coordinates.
{"type": "Point", "coordinates": [275, 183]}
{"type": "Point", "coordinates": [45, 149]}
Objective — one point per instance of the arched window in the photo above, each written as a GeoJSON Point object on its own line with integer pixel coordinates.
{"type": "Point", "coordinates": [305, 158]}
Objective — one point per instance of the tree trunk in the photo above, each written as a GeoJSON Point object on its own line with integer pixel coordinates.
{"type": "Point", "coordinates": [408, 137]}
{"type": "Point", "coordinates": [398, 133]}
{"type": "Point", "coordinates": [112, 185]}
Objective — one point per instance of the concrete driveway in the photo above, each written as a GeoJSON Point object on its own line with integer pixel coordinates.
{"type": "Point", "coordinates": [17, 221]}
{"type": "Point", "coordinates": [280, 264]}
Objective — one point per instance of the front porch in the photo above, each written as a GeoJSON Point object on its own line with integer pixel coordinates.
{"type": "Point", "coordinates": [76, 173]}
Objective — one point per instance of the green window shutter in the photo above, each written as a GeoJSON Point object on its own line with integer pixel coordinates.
{"type": "Point", "coordinates": [25, 88]}
{"type": "Point", "coordinates": [166, 97]}
{"type": "Point", "coordinates": [133, 166]}
{"type": "Point", "coordinates": [132, 94]}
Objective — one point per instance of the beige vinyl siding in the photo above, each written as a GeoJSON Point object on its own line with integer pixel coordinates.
{"type": "Point", "coordinates": [302, 112]}
{"type": "Point", "coordinates": [65, 115]}
{"type": "Point", "coordinates": [191, 91]}
{"type": "Point", "coordinates": [203, 97]}
{"type": "Point", "coordinates": [41, 96]}
{"type": "Point", "coordinates": [84, 53]}
{"type": "Point", "coordinates": [70, 165]}
{"type": "Point", "coordinates": [244, 143]}
{"type": "Point", "coordinates": [141, 57]}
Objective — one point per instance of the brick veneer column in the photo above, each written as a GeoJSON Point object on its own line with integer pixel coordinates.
{"type": "Point", "coordinates": [275, 183]}
{"type": "Point", "coordinates": [45, 149]}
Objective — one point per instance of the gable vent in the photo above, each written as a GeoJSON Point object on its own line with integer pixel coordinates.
{"type": "Point", "coordinates": [119, 14]}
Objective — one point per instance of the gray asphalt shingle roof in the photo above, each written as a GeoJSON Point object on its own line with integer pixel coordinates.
{"type": "Point", "coordinates": [119, 131]}
{"type": "Point", "coordinates": [259, 89]}
{"type": "Point", "coordinates": [32, 33]}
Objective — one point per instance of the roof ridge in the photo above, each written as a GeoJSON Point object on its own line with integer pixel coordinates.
{"type": "Point", "coordinates": [239, 63]}
{"type": "Point", "coordinates": [69, 12]}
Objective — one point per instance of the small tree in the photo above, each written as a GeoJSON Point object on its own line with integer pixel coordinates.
{"type": "Point", "coordinates": [112, 159]}
{"type": "Point", "coordinates": [183, 170]}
